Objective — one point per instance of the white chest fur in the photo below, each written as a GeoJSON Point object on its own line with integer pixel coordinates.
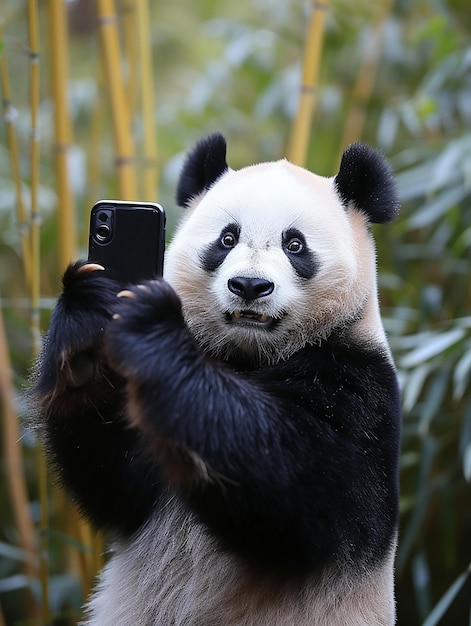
{"type": "Point", "coordinates": [172, 574]}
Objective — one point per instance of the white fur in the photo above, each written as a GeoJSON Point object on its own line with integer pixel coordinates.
{"type": "Point", "coordinates": [172, 574]}
{"type": "Point", "coordinates": [266, 200]}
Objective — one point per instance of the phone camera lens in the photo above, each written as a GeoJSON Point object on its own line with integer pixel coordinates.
{"type": "Point", "coordinates": [103, 232]}
{"type": "Point", "coordinates": [103, 225]}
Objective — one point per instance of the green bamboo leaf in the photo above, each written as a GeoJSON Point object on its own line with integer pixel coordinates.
{"type": "Point", "coordinates": [414, 182]}
{"type": "Point", "coordinates": [12, 583]}
{"type": "Point", "coordinates": [12, 552]}
{"type": "Point", "coordinates": [467, 463]}
{"type": "Point", "coordinates": [433, 400]}
{"type": "Point", "coordinates": [434, 346]}
{"type": "Point", "coordinates": [447, 165]}
{"type": "Point", "coordinates": [423, 495]}
{"type": "Point", "coordinates": [447, 599]}
{"type": "Point", "coordinates": [461, 375]}
{"type": "Point", "coordinates": [465, 443]}
{"type": "Point", "coordinates": [414, 383]}
{"type": "Point", "coordinates": [387, 128]}
{"type": "Point", "coordinates": [421, 579]}
{"type": "Point", "coordinates": [438, 206]}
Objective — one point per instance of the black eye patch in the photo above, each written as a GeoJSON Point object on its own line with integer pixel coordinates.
{"type": "Point", "coordinates": [214, 254]}
{"type": "Point", "coordinates": [300, 256]}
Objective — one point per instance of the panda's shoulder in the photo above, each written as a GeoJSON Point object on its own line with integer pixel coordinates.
{"type": "Point", "coordinates": [337, 367]}
{"type": "Point", "coordinates": [334, 354]}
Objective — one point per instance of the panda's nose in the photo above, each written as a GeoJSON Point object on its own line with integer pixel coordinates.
{"type": "Point", "coordinates": [250, 288]}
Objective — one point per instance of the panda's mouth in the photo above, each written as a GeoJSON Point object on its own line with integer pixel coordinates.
{"type": "Point", "coordinates": [249, 317]}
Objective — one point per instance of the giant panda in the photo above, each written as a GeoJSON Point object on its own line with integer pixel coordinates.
{"type": "Point", "coordinates": [235, 425]}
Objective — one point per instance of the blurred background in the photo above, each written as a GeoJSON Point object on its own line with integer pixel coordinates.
{"type": "Point", "coordinates": [103, 98]}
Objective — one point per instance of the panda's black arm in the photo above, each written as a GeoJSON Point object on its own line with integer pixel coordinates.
{"type": "Point", "coordinates": [99, 459]}
{"type": "Point", "coordinates": [289, 466]}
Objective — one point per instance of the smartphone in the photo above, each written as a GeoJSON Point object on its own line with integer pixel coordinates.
{"type": "Point", "coordinates": [127, 239]}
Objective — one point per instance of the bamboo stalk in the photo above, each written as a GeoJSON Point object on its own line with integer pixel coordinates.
{"type": "Point", "coordinates": [300, 136]}
{"type": "Point", "coordinates": [364, 85]}
{"type": "Point", "coordinates": [150, 178]}
{"type": "Point", "coordinates": [98, 551]}
{"type": "Point", "coordinates": [33, 37]}
{"type": "Point", "coordinates": [77, 557]}
{"type": "Point", "coordinates": [83, 565]}
{"type": "Point", "coordinates": [86, 557]}
{"type": "Point", "coordinates": [63, 129]}
{"type": "Point", "coordinates": [94, 155]}
{"type": "Point", "coordinates": [125, 165]}
{"type": "Point", "coordinates": [33, 32]}
{"type": "Point", "coordinates": [14, 472]}
{"type": "Point", "coordinates": [42, 481]}
{"type": "Point", "coordinates": [22, 218]}
{"type": "Point", "coordinates": [128, 12]}
{"type": "Point", "coordinates": [13, 457]}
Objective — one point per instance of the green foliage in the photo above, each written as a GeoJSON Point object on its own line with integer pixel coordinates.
{"type": "Point", "coordinates": [236, 67]}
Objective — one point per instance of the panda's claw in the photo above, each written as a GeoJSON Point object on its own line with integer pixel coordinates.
{"type": "Point", "coordinates": [144, 288]}
{"type": "Point", "coordinates": [127, 293]}
{"type": "Point", "coordinates": [90, 267]}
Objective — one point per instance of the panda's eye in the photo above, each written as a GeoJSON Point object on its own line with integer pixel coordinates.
{"type": "Point", "coordinates": [295, 246]}
{"type": "Point", "coordinates": [228, 240]}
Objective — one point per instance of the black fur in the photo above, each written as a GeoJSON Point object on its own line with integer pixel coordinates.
{"type": "Point", "coordinates": [214, 254]}
{"type": "Point", "coordinates": [202, 167]}
{"type": "Point", "coordinates": [304, 262]}
{"type": "Point", "coordinates": [365, 178]}
{"type": "Point", "coordinates": [300, 457]}
{"type": "Point", "coordinates": [101, 461]}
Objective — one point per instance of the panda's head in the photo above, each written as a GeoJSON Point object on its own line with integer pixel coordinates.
{"type": "Point", "coordinates": [271, 257]}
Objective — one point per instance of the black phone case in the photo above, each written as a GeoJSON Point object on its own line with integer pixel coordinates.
{"type": "Point", "coordinates": [127, 239]}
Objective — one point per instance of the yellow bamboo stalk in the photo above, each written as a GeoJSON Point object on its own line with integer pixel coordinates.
{"type": "Point", "coordinates": [33, 33]}
{"type": "Point", "coordinates": [13, 461]}
{"type": "Point", "coordinates": [94, 160]}
{"type": "Point", "coordinates": [21, 214]}
{"type": "Point", "coordinates": [149, 169]}
{"type": "Point", "coordinates": [123, 141]}
{"type": "Point", "coordinates": [63, 140]}
{"type": "Point", "coordinates": [77, 557]}
{"type": "Point", "coordinates": [128, 12]}
{"type": "Point", "coordinates": [63, 129]}
{"type": "Point", "coordinates": [364, 84]}
{"type": "Point", "coordinates": [300, 136]}
{"type": "Point", "coordinates": [87, 559]}
{"type": "Point", "coordinates": [67, 222]}
{"type": "Point", "coordinates": [98, 551]}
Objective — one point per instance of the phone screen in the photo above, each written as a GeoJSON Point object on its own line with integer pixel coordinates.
{"type": "Point", "coordinates": [128, 239]}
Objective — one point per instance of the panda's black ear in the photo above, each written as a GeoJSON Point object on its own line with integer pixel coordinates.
{"type": "Point", "coordinates": [202, 167]}
{"type": "Point", "coordinates": [365, 178]}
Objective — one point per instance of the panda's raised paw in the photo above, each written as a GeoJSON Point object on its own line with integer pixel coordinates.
{"type": "Point", "coordinates": [82, 272]}
{"type": "Point", "coordinates": [90, 292]}
{"type": "Point", "coordinates": [145, 318]}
